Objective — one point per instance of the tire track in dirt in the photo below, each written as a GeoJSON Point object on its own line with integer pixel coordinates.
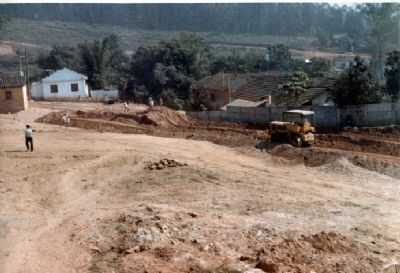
{"type": "Point", "coordinates": [67, 202]}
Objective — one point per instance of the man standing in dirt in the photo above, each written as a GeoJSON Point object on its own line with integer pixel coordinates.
{"type": "Point", "coordinates": [66, 120]}
{"type": "Point", "coordinates": [29, 138]}
{"type": "Point", "coordinates": [151, 102]}
{"type": "Point", "coordinates": [126, 107]}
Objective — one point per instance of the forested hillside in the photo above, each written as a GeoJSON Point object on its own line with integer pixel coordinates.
{"type": "Point", "coordinates": [160, 50]}
{"type": "Point", "coordinates": [266, 18]}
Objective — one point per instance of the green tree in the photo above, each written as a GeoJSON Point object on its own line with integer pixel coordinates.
{"type": "Point", "coordinates": [3, 21]}
{"type": "Point", "coordinates": [235, 63]}
{"type": "Point", "coordinates": [279, 57]}
{"type": "Point", "coordinates": [324, 39]}
{"type": "Point", "coordinates": [60, 57]}
{"type": "Point", "coordinates": [229, 64]}
{"type": "Point", "coordinates": [102, 61]}
{"type": "Point", "coordinates": [317, 67]}
{"type": "Point", "coordinates": [171, 66]}
{"type": "Point", "coordinates": [392, 74]}
{"type": "Point", "coordinates": [356, 86]}
{"type": "Point", "coordinates": [383, 21]}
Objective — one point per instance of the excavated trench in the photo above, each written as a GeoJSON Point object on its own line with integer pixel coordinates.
{"type": "Point", "coordinates": [364, 147]}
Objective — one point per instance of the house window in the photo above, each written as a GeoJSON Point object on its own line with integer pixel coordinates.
{"type": "Point", "coordinates": [8, 95]}
{"type": "Point", "coordinates": [74, 87]}
{"type": "Point", "coordinates": [54, 88]}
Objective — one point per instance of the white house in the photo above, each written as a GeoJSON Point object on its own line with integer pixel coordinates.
{"type": "Point", "coordinates": [63, 83]}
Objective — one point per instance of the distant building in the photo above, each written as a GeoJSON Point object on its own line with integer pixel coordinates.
{"type": "Point", "coordinates": [13, 97]}
{"type": "Point", "coordinates": [63, 83]}
{"type": "Point", "coordinates": [220, 89]}
{"type": "Point", "coordinates": [240, 104]}
{"type": "Point", "coordinates": [215, 91]}
{"type": "Point", "coordinates": [318, 94]}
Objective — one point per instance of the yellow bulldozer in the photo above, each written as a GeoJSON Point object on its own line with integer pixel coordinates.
{"type": "Point", "coordinates": [296, 128]}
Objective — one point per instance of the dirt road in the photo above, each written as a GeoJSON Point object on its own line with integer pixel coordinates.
{"type": "Point", "coordinates": [84, 202]}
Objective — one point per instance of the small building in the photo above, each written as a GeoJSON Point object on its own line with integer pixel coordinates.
{"type": "Point", "coordinates": [63, 83]}
{"type": "Point", "coordinates": [13, 97]}
{"type": "Point", "coordinates": [215, 91]}
{"type": "Point", "coordinates": [218, 90]}
{"type": "Point", "coordinates": [318, 94]}
{"type": "Point", "coordinates": [240, 104]}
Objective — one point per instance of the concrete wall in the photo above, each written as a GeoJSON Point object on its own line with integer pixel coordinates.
{"type": "Point", "coordinates": [328, 117]}
{"type": "Point", "coordinates": [17, 102]}
{"type": "Point", "coordinates": [112, 94]}
{"type": "Point", "coordinates": [371, 114]}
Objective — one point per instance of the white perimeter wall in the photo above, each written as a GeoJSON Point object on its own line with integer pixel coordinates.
{"type": "Point", "coordinates": [104, 93]}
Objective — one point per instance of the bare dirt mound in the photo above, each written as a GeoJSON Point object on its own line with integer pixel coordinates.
{"type": "Point", "coordinates": [157, 116]}
{"type": "Point", "coordinates": [322, 252]}
{"type": "Point", "coordinates": [341, 165]}
{"type": "Point", "coordinates": [158, 121]}
{"type": "Point", "coordinates": [337, 160]}
{"type": "Point", "coordinates": [308, 156]}
{"type": "Point", "coordinates": [177, 244]}
{"type": "Point", "coordinates": [359, 143]}
{"type": "Point", "coordinates": [163, 116]}
{"type": "Point", "coordinates": [389, 132]}
{"type": "Point", "coordinates": [52, 118]}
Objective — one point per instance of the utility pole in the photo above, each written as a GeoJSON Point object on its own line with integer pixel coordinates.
{"type": "Point", "coordinates": [397, 18]}
{"type": "Point", "coordinates": [229, 90]}
{"type": "Point", "coordinates": [20, 73]}
{"type": "Point", "coordinates": [27, 74]}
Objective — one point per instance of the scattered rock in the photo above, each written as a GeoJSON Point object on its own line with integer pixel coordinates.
{"type": "Point", "coordinates": [164, 163]}
{"type": "Point", "coordinates": [192, 214]}
{"type": "Point", "coordinates": [245, 258]}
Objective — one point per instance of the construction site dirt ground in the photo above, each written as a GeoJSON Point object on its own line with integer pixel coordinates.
{"type": "Point", "coordinates": [88, 202]}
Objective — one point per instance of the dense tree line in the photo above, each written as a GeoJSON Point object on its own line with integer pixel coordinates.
{"type": "Point", "coordinates": [259, 18]}
{"type": "Point", "coordinates": [358, 86]}
{"type": "Point", "coordinates": [165, 70]}
{"type": "Point", "coordinates": [168, 69]}
{"type": "Point", "coordinates": [103, 61]}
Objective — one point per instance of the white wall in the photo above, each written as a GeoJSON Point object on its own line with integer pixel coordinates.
{"type": "Point", "coordinates": [104, 93]}
{"type": "Point", "coordinates": [64, 89]}
{"type": "Point", "coordinates": [37, 90]}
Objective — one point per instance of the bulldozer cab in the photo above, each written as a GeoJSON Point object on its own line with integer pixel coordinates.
{"type": "Point", "coordinates": [300, 117]}
{"type": "Point", "coordinates": [296, 127]}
